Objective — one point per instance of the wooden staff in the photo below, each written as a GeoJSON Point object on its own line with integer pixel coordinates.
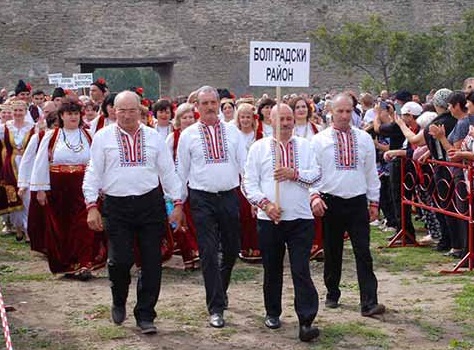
{"type": "Point", "coordinates": [277, 147]}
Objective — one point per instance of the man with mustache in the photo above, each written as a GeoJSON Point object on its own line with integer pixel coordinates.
{"type": "Point", "coordinates": [289, 223]}
{"type": "Point", "coordinates": [211, 155]}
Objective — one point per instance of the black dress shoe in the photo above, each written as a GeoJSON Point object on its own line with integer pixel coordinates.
{"type": "Point", "coordinates": [308, 333]}
{"type": "Point", "coordinates": [332, 304]}
{"type": "Point", "coordinates": [118, 314]}
{"type": "Point", "coordinates": [216, 320]}
{"type": "Point", "coordinates": [377, 309]}
{"type": "Point", "coordinates": [147, 327]}
{"type": "Point", "coordinates": [272, 322]}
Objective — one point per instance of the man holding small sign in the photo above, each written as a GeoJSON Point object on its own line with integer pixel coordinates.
{"type": "Point", "coordinates": [286, 224]}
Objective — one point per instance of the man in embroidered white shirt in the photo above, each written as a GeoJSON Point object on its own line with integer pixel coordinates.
{"type": "Point", "coordinates": [287, 224]}
{"type": "Point", "coordinates": [211, 155]}
{"type": "Point", "coordinates": [128, 162]}
{"type": "Point", "coordinates": [349, 181]}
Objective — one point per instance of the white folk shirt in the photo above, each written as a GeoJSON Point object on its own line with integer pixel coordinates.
{"type": "Point", "coordinates": [259, 184]}
{"type": "Point", "coordinates": [164, 131]}
{"type": "Point", "coordinates": [347, 161]}
{"type": "Point", "coordinates": [62, 154]}
{"type": "Point", "coordinates": [94, 123]}
{"type": "Point", "coordinates": [27, 162]}
{"type": "Point", "coordinates": [267, 129]}
{"type": "Point", "coordinates": [129, 165]}
{"type": "Point", "coordinates": [306, 131]}
{"type": "Point", "coordinates": [211, 157]}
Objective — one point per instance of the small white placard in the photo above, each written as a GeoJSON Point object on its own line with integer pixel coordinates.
{"type": "Point", "coordinates": [83, 80]}
{"type": "Point", "coordinates": [68, 83]}
{"type": "Point", "coordinates": [55, 78]}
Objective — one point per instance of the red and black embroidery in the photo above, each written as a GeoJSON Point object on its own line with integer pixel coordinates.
{"type": "Point", "coordinates": [215, 146]}
{"type": "Point", "coordinates": [345, 150]}
{"type": "Point", "coordinates": [131, 154]}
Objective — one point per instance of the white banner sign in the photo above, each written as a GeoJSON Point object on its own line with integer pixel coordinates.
{"type": "Point", "coordinates": [279, 64]}
{"type": "Point", "coordinates": [67, 83]}
{"type": "Point", "coordinates": [83, 80]}
{"type": "Point", "coordinates": [54, 78]}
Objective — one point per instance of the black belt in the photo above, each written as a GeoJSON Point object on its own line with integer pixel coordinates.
{"type": "Point", "coordinates": [217, 194]}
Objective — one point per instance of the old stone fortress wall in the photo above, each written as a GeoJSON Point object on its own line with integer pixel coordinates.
{"type": "Point", "coordinates": [188, 42]}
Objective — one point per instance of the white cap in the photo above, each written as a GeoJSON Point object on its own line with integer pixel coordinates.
{"type": "Point", "coordinates": [412, 108]}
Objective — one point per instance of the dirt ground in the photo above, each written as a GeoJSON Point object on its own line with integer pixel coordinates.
{"type": "Point", "coordinates": [57, 313]}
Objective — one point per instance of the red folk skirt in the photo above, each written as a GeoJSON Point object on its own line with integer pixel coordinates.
{"type": "Point", "coordinates": [70, 244]}
{"type": "Point", "coordinates": [186, 240]}
{"type": "Point", "coordinates": [249, 250]}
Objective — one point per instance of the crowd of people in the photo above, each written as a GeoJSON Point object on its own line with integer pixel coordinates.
{"type": "Point", "coordinates": [115, 180]}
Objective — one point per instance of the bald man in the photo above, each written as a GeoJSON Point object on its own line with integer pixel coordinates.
{"type": "Point", "coordinates": [346, 197]}
{"type": "Point", "coordinates": [288, 223]}
{"type": "Point", "coordinates": [120, 154]}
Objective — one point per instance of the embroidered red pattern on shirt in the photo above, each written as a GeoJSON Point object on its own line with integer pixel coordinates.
{"type": "Point", "coordinates": [214, 145]}
{"type": "Point", "coordinates": [131, 154]}
{"type": "Point", "coordinates": [287, 155]}
{"type": "Point", "coordinates": [346, 152]}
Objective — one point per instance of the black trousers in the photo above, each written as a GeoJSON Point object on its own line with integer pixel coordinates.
{"type": "Point", "coordinates": [297, 235]}
{"type": "Point", "coordinates": [216, 217]}
{"type": "Point", "coordinates": [349, 215]}
{"type": "Point", "coordinates": [124, 218]}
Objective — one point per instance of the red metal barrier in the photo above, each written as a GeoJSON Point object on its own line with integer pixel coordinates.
{"type": "Point", "coordinates": [437, 177]}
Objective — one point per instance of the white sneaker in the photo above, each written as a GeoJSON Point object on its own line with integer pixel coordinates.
{"type": "Point", "coordinates": [389, 229]}
{"type": "Point", "coordinates": [375, 223]}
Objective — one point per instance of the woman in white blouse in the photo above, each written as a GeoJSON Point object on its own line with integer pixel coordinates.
{"type": "Point", "coordinates": [15, 135]}
{"type": "Point", "coordinates": [185, 239]}
{"type": "Point", "coordinates": [57, 176]}
{"type": "Point", "coordinates": [247, 122]}
{"type": "Point", "coordinates": [302, 112]}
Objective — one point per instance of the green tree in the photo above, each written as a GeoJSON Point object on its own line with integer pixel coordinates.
{"type": "Point", "coordinates": [370, 48]}
{"type": "Point", "coordinates": [388, 58]}
{"type": "Point", "coordinates": [119, 79]}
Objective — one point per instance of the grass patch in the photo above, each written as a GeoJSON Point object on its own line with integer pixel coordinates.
{"type": "Point", "coordinates": [333, 334]}
{"type": "Point", "coordinates": [31, 338]}
{"type": "Point", "coordinates": [182, 316]}
{"type": "Point", "coordinates": [407, 259]}
{"type": "Point", "coordinates": [111, 332]}
{"type": "Point", "coordinates": [100, 311]}
{"type": "Point", "coordinates": [245, 273]}
{"type": "Point", "coordinates": [433, 332]}
{"type": "Point", "coordinates": [38, 277]}
{"type": "Point", "coordinates": [465, 302]}
{"type": "Point", "coordinates": [460, 344]}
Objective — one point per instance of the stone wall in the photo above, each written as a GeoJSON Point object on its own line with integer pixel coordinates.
{"type": "Point", "coordinates": [207, 39]}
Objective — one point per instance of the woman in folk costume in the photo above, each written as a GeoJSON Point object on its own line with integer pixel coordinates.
{"type": "Point", "coordinates": [185, 239]}
{"type": "Point", "coordinates": [227, 109]}
{"type": "Point", "coordinates": [307, 129]}
{"type": "Point", "coordinates": [304, 127]}
{"type": "Point", "coordinates": [263, 111]}
{"type": "Point", "coordinates": [15, 135]}
{"type": "Point", "coordinates": [6, 113]}
{"type": "Point", "coordinates": [163, 112]}
{"type": "Point", "coordinates": [36, 214]}
{"type": "Point", "coordinates": [106, 117]}
{"type": "Point", "coordinates": [167, 243]}
{"type": "Point", "coordinates": [247, 122]}
{"type": "Point", "coordinates": [57, 176]}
